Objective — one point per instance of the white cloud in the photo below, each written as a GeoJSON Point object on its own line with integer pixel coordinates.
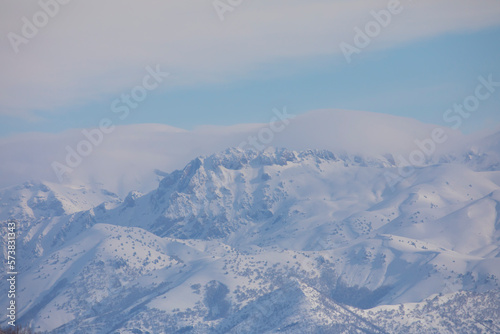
{"type": "Point", "coordinates": [127, 157]}
{"type": "Point", "coordinates": [93, 49]}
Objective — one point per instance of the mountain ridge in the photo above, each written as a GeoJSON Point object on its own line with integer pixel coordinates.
{"type": "Point", "coordinates": [225, 233]}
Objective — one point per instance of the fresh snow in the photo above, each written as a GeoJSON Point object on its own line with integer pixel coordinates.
{"type": "Point", "coordinates": [272, 241]}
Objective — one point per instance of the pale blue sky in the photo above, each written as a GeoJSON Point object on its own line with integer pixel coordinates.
{"type": "Point", "coordinates": [419, 78]}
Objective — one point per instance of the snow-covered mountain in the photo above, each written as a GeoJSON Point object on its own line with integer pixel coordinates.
{"type": "Point", "coordinates": [243, 241]}
{"type": "Point", "coordinates": [35, 200]}
{"type": "Point", "coordinates": [127, 158]}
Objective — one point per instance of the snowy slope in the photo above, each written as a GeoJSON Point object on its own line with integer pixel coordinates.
{"type": "Point", "coordinates": [263, 242]}
{"type": "Point", "coordinates": [281, 240]}
{"type": "Point", "coordinates": [38, 199]}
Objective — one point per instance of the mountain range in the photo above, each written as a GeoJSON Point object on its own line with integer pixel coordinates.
{"type": "Point", "coordinates": [300, 237]}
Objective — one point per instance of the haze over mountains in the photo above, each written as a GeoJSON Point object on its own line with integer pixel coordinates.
{"type": "Point", "coordinates": [127, 158]}
{"type": "Point", "coordinates": [322, 231]}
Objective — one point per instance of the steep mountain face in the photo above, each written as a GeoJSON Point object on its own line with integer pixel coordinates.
{"type": "Point", "coordinates": [265, 242]}
{"type": "Point", "coordinates": [270, 191]}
